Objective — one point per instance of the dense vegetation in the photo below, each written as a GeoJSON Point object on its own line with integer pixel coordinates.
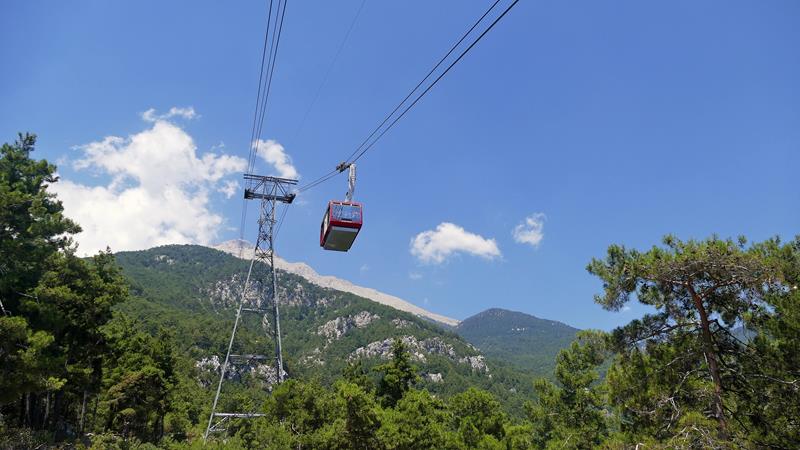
{"type": "Point", "coordinates": [519, 339]}
{"type": "Point", "coordinates": [90, 359]}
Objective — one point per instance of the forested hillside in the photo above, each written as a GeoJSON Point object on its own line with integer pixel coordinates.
{"type": "Point", "coordinates": [118, 351]}
{"type": "Point", "coordinates": [520, 340]}
{"type": "Point", "coordinates": [193, 291]}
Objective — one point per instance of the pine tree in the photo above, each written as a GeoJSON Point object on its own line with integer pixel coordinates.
{"type": "Point", "coordinates": [700, 289]}
{"type": "Point", "coordinates": [572, 413]}
{"type": "Point", "coordinates": [57, 300]}
{"type": "Point", "coordinates": [399, 374]}
{"type": "Point", "coordinates": [32, 222]}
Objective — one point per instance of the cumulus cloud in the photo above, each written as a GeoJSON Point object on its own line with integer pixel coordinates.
{"type": "Point", "coordinates": [530, 231]}
{"type": "Point", "coordinates": [229, 188]}
{"type": "Point", "coordinates": [415, 275]}
{"type": "Point", "coordinates": [158, 190]}
{"type": "Point", "coordinates": [185, 113]}
{"type": "Point", "coordinates": [274, 154]}
{"type": "Point", "coordinates": [435, 246]}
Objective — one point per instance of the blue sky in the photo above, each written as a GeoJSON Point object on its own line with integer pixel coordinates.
{"type": "Point", "coordinates": [605, 122]}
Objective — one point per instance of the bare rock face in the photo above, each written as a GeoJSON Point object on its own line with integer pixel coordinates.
{"type": "Point", "coordinates": [211, 364]}
{"type": "Point", "coordinates": [438, 346]}
{"type": "Point", "coordinates": [312, 359]}
{"type": "Point", "coordinates": [383, 349]}
{"type": "Point", "coordinates": [164, 259]}
{"type": "Point", "coordinates": [419, 350]}
{"type": "Point", "coordinates": [401, 323]}
{"type": "Point", "coordinates": [477, 363]}
{"type": "Point", "coordinates": [434, 377]}
{"type": "Point", "coordinates": [226, 294]}
{"type": "Point", "coordinates": [265, 373]}
{"type": "Point", "coordinates": [336, 328]}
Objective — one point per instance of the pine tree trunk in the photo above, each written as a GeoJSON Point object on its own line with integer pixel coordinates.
{"type": "Point", "coordinates": [83, 411]}
{"type": "Point", "coordinates": [711, 357]}
{"type": "Point", "coordinates": [94, 409]}
{"type": "Point", "coordinates": [46, 409]}
{"type": "Point", "coordinates": [27, 418]}
{"type": "Point", "coordinates": [58, 413]}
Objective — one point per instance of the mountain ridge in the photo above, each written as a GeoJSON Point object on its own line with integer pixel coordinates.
{"type": "Point", "coordinates": [519, 339]}
{"type": "Point", "coordinates": [242, 249]}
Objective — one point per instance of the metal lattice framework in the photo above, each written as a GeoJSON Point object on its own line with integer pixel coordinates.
{"type": "Point", "coordinates": [269, 191]}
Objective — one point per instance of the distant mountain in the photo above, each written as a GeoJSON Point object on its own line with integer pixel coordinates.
{"type": "Point", "coordinates": [521, 340]}
{"type": "Point", "coordinates": [193, 291]}
{"type": "Point", "coordinates": [244, 249]}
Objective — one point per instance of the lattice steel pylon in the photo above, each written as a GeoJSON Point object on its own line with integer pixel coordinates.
{"type": "Point", "coordinates": [269, 191]}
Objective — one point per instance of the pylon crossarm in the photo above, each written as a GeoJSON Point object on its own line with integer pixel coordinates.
{"type": "Point", "coordinates": [215, 427]}
{"type": "Point", "coordinates": [225, 417]}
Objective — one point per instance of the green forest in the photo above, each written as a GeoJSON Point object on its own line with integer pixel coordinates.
{"type": "Point", "coordinates": [715, 364]}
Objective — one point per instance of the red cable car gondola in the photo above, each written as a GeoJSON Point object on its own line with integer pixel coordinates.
{"type": "Point", "coordinates": [340, 225]}
{"type": "Point", "coordinates": [342, 220]}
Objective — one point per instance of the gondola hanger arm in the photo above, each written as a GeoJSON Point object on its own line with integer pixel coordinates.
{"type": "Point", "coordinates": [351, 182]}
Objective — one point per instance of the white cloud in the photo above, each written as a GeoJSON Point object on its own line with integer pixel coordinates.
{"type": "Point", "coordinates": [274, 154]}
{"type": "Point", "coordinates": [625, 308]}
{"type": "Point", "coordinates": [187, 113]}
{"type": "Point", "coordinates": [229, 188]}
{"type": "Point", "coordinates": [531, 230]}
{"type": "Point", "coordinates": [158, 192]}
{"type": "Point", "coordinates": [435, 246]}
{"type": "Point", "coordinates": [415, 275]}
{"type": "Point", "coordinates": [364, 268]}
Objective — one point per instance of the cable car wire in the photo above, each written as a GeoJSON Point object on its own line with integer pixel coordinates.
{"type": "Point", "coordinates": [369, 142]}
{"type": "Point", "coordinates": [280, 221]}
{"type": "Point", "coordinates": [262, 94]}
{"type": "Point", "coordinates": [319, 181]}
{"type": "Point", "coordinates": [260, 79]}
{"type": "Point", "coordinates": [449, 52]}
{"type": "Point", "coordinates": [255, 118]}
{"type": "Point", "coordinates": [273, 57]}
{"type": "Point", "coordinates": [360, 154]}
{"type": "Point", "coordinates": [330, 69]}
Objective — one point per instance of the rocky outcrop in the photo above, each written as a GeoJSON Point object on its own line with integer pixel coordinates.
{"type": "Point", "coordinates": [226, 294]}
{"type": "Point", "coordinates": [434, 377]}
{"type": "Point", "coordinates": [336, 328]}
{"type": "Point", "coordinates": [312, 359]}
{"type": "Point", "coordinates": [419, 350]}
{"type": "Point", "coordinates": [264, 373]}
{"type": "Point", "coordinates": [164, 259]}
{"type": "Point", "coordinates": [401, 323]}
{"type": "Point", "coordinates": [477, 363]}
